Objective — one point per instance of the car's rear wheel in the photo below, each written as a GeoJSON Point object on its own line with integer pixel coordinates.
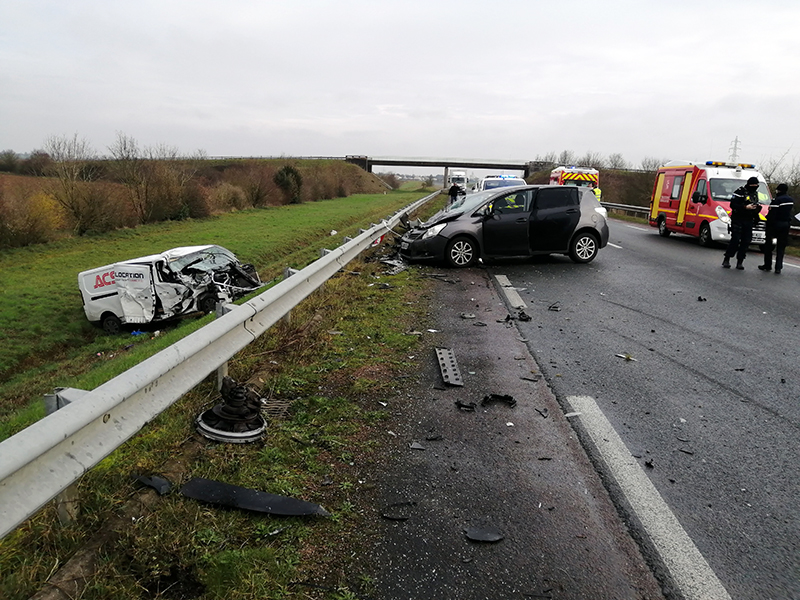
{"type": "Point", "coordinates": [662, 228]}
{"type": "Point", "coordinates": [705, 235]}
{"type": "Point", "coordinates": [584, 248]}
{"type": "Point", "coordinates": [111, 324]}
{"type": "Point", "coordinates": [462, 252]}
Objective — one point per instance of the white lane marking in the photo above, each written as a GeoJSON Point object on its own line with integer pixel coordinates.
{"type": "Point", "coordinates": [688, 568]}
{"type": "Point", "coordinates": [513, 297]}
{"type": "Point", "coordinates": [614, 245]}
{"type": "Point", "coordinates": [639, 227]}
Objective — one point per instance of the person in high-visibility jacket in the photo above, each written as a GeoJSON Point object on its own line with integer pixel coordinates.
{"type": "Point", "coordinates": [598, 194]}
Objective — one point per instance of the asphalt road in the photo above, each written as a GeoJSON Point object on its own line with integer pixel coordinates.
{"type": "Point", "coordinates": [695, 367]}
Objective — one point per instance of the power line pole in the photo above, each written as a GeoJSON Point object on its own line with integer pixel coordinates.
{"type": "Point", "coordinates": [734, 149]}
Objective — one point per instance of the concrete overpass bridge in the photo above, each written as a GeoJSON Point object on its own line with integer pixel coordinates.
{"type": "Point", "coordinates": [367, 162]}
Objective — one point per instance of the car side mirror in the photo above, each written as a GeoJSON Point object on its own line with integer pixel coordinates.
{"type": "Point", "coordinates": [699, 198]}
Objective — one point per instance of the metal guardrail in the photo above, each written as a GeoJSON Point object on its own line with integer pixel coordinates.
{"type": "Point", "coordinates": [39, 462]}
{"type": "Point", "coordinates": [644, 211]}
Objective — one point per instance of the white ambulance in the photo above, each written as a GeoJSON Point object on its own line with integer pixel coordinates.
{"type": "Point", "coordinates": [164, 286]}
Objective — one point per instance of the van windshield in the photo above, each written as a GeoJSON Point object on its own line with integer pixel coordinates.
{"type": "Point", "coordinates": [497, 183]}
{"type": "Point", "coordinates": [722, 189]}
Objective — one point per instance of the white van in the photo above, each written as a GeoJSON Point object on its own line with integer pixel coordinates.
{"type": "Point", "coordinates": [491, 182]}
{"type": "Point", "coordinates": [164, 286]}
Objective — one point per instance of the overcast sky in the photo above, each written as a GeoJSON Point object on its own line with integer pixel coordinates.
{"type": "Point", "coordinates": [501, 79]}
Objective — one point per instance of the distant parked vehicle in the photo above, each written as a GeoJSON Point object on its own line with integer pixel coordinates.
{"type": "Point", "coordinates": [510, 222]}
{"type": "Point", "coordinates": [164, 286]}
{"type": "Point", "coordinates": [491, 182]}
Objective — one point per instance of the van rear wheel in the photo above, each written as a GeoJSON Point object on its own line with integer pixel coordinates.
{"type": "Point", "coordinates": [111, 324]}
{"type": "Point", "coordinates": [662, 228]}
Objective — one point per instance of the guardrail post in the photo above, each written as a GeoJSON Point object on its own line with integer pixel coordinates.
{"type": "Point", "coordinates": [67, 503]}
{"type": "Point", "coordinates": [288, 272]}
{"type": "Point", "coordinates": [223, 308]}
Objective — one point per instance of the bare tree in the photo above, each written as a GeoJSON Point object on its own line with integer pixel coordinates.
{"type": "Point", "coordinates": [650, 163]}
{"type": "Point", "coordinates": [594, 160]}
{"type": "Point", "coordinates": [616, 161]}
{"type": "Point", "coordinates": [566, 158]}
{"type": "Point", "coordinates": [134, 172]}
{"type": "Point", "coordinates": [73, 169]}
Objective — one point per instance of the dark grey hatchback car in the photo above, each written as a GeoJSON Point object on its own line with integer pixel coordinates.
{"type": "Point", "coordinates": [512, 222]}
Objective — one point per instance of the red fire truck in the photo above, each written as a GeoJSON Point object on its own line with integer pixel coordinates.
{"type": "Point", "coordinates": [579, 176]}
{"type": "Point", "coordinates": [694, 199]}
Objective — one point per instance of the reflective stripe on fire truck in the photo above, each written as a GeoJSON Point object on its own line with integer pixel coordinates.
{"type": "Point", "coordinates": [687, 186]}
{"type": "Point", "coordinates": [566, 176]}
{"type": "Point", "coordinates": [656, 197]}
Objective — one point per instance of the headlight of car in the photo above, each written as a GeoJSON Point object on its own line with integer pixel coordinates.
{"type": "Point", "coordinates": [601, 210]}
{"type": "Point", "coordinates": [722, 215]}
{"type": "Point", "coordinates": [433, 231]}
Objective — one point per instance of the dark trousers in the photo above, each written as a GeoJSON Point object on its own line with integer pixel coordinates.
{"type": "Point", "coordinates": [741, 236]}
{"type": "Point", "coordinates": [780, 232]}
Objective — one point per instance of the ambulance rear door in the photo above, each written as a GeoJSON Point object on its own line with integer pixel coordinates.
{"type": "Point", "coordinates": [135, 287]}
{"type": "Point", "coordinates": [680, 182]}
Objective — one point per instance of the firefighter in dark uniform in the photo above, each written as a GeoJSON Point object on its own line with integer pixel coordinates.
{"type": "Point", "coordinates": [744, 214]}
{"type": "Point", "coordinates": [779, 220]}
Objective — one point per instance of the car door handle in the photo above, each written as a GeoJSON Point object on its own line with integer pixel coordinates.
{"type": "Point", "coordinates": [522, 220]}
{"type": "Point", "coordinates": [572, 210]}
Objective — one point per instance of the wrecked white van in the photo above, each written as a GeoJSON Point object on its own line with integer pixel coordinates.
{"type": "Point", "coordinates": [164, 286]}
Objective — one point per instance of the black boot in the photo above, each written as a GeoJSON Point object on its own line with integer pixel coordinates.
{"type": "Point", "coordinates": [766, 268]}
{"type": "Point", "coordinates": [726, 263]}
{"type": "Point", "coordinates": [739, 265]}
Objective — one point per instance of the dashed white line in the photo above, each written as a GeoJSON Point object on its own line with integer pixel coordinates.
{"type": "Point", "coordinates": [686, 565]}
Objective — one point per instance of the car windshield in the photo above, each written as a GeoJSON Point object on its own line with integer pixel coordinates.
{"type": "Point", "coordinates": [468, 202]}
{"type": "Point", "coordinates": [498, 183]}
{"type": "Point", "coordinates": [209, 259]}
{"type": "Point", "coordinates": [722, 189]}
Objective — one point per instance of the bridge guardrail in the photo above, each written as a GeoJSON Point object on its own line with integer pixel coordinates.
{"type": "Point", "coordinates": [44, 459]}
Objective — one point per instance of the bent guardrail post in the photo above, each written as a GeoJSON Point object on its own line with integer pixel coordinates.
{"type": "Point", "coordinates": [44, 459]}
{"type": "Point", "coordinates": [223, 308]}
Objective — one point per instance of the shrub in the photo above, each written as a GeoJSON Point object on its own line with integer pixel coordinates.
{"type": "Point", "coordinates": [289, 180]}
{"type": "Point", "coordinates": [227, 196]}
{"type": "Point", "coordinates": [28, 217]}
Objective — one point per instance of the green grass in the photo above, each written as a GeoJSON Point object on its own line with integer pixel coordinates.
{"type": "Point", "coordinates": [45, 339]}
{"type": "Point", "coordinates": [337, 365]}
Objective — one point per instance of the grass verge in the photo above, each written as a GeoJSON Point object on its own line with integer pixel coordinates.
{"type": "Point", "coordinates": [330, 376]}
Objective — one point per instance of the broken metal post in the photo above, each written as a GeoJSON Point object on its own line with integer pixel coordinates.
{"type": "Point", "coordinates": [67, 502]}
{"type": "Point", "coordinates": [222, 371]}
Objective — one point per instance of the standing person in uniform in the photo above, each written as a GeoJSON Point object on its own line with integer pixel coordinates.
{"type": "Point", "coordinates": [779, 220]}
{"type": "Point", "coordinates": [453, 192]}
{"type": "Point", "coordinates": [598, 194]}
{"type": "Point", "coordinates": [744, 214]}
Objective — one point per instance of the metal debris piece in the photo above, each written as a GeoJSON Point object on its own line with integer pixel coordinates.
{"type": "Point", "coordinates": [555, 307]}
{"type": "Point", "coordinates": [479, 324]}
{"type": "Point", "coordinates": [225, 494]}
{"type": "Point", "coordinates": [159, 484]}
{"type": "Point", "coordinates": [523, 316]}
{"type": "Point", "coordinates": [449, 367]}
{"type": "Point", "coordinates": [689, 452]}
{"type": "Point", "coordinates": [416, 446]}
{"type": "Point", "coordinates": [466, 406]}
{"type": "Point", "coordinates": [399, 511]}
{"type": "Point", "coordinates": [572, 414]}
{"type": "Point", "coordinates": [626, 356]}
{"type": "Point", "coordinates": [465, 315]}
{"type": "Point", "coordinates": [535, 378]}
{"type": "Point", "coordinates": [236, 419]}
{"type": "Point", "coordinates": [543, 412]}
{"type": "Point", "coordinates": [398, 266]}
{"type": "Point", "coordinates": [487, 533]}
{"type": "Point", "coordinates": [505, 398]}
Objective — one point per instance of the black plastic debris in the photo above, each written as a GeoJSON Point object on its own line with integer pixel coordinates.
{"type": "Point", "coordinates": [555, 307]}
{"type": "Point", "coordinates": [234, 496]}
{"type": "Point", "coordinates": [159, 484]}
{"type": "Point", "coordinates": [466, 406]}
{"type": "Point", "coordinates": [533, 378]}
{"type": "Point", "coordinates": [434, 437]}
{"type": "Point", "coordinates": [399, 511]}
{"type": "Point", "coordinates": [237, 418]}
{"type": "Point", "coordinates": [502, 398]}
{"type": "Point", "coordinates": [649, 463]}
{"type": "Point", "coordinates": [523, 316]}
{"type": "Point", "coordinates": [487, 533]}
{"type": "Point", "coordinates": [542, 412]}
{"type": "Point", "coordinates": [701, 299]}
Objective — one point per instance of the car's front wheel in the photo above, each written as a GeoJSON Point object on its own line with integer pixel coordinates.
{"type": "Point", "coordinates": [584, 248]}
{"type": "Point", "coordinates": [461, 252]}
